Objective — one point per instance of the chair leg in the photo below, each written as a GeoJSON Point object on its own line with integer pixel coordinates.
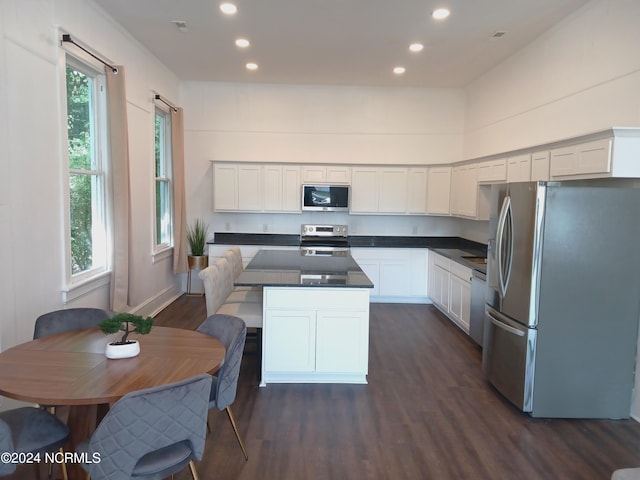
{"type": "Point", "coordinates": [63, 467]}
{"type": "Point", "coordinates": [194, 472]}
{"type": "Point", "coordinates": [235, 429]}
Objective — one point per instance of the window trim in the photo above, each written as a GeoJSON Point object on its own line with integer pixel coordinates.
{"type": "Point", "coordinates": [82, 281]}
{"type": "Point", "coordinates": [167, 160]}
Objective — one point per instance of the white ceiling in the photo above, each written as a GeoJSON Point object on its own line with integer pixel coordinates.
{"type": "Point", "coordinates": [337, 42]}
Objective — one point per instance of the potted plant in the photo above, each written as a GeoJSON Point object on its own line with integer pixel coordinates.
{"type": "Point", "coordinates": [127, 323]}
{"type": "Point", "coordinates": [197, 238]}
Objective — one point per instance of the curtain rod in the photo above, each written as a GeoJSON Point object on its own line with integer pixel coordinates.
{"type": "Point", "coordinates": [67, 38]}
{"type": "Point", "coordinates": [167, 103]}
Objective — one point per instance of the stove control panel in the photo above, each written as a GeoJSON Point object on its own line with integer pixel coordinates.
{"type": "Point", "coordinates": [324, 230]}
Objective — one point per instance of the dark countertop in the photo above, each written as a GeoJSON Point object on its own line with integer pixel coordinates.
{"type": "Point", "coordinates": [458, 255]}
{"type": "Point", "coordinates": [288, 268]}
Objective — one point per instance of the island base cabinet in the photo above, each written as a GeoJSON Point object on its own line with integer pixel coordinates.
{"type": "Point", "coordinates": [339, 342]}
{"type": "Point", "coordinates": [284, 355]}
{"type": "Point", "coordinates": [315, 335]}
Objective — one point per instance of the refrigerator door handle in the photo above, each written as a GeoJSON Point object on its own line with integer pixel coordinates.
{"type": "Point", "coordinates": [502, 220]}
{"type": "Point", "coordinates": [504, 326]}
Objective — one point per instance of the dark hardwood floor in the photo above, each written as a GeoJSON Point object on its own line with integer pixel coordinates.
{"type": "Point", "coordinates": [427, 413]}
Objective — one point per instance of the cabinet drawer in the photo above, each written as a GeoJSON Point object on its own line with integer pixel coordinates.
{"type": "Point", "coordinates": [460, 271]}
{"type": "Point", "coordinates": [316, 298]}
{"type": "Point", "coordinates": [441, 261]}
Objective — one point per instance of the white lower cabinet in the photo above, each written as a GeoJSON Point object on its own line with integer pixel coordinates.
{"type": "Point", "coordinates": [290, 356]}
{"type": "Point", "coordinates": [439, 280]}
{"type": "Point", "coordinates": [398, 274]}
{"type": "Point", "coordinates": [335, 334]}
{"type": "Point", "coordinates": [460, 295]}
{"type": "Point", "coordinates": [450, 288]}
{"type": "Point", "coordinates": [371, 268]}
{"type": "Point", "coordinates": [315, 335]}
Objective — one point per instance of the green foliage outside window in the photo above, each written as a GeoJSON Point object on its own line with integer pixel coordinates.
{"type": "Point", "coordinates": [81, 185]}
{"type": "Point", "coordinates": [163, 181]}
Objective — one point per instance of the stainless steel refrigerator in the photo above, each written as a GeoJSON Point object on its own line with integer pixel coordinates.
{"type": "Point", "coordinates": [563, 297]}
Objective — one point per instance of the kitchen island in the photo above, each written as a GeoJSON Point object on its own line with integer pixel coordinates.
{"type": "Point", "coordinates": [315, 317]}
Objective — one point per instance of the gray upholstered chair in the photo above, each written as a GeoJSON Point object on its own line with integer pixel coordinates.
{"type": "Point", "coordinates": [61, 321]}
{"type": "Point", "coordinates": [30, 430]}
{"type": "Point", "coordinates": [151, 434]}
{"type": "Point", "coordinates": [626, 474]}
{"type": "Point", "coordinates": [232, 332]}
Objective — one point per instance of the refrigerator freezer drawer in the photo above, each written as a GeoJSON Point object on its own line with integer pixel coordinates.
{"type": "Point", "coordinates": [508, 358]}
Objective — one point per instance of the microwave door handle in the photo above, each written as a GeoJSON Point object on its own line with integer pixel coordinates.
{"type": "Point", "coordinates": [504, 326]}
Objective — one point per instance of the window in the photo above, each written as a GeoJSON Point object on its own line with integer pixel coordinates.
{"type": "Point", "coordinates": [87, 245]}
{"type": "Point", "coordinates": [163, 186]}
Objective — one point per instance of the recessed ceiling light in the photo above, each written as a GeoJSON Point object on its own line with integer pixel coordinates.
{"type": "Point", "coordinates": [440, 13]}
{"type": "Point", "coordinates": [252, 66]}
{"type": "Point", "coordinates": [416, 47]}
{"type": "Point", "coordinates": [399, 70]}
{"type": "Point", "coordinates": [228, 8]}
{"type": "Point", "coordinates": [242, 43]}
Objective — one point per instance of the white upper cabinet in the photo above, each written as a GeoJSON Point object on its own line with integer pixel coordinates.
{"type": "Point", "coordinates": [615, 156]}
{"type": "Point", "coordinates": [417, 190]}
{"type": "Point", "coordinates": [364, 190]}
{"type": "Point", "coordinates": [282, 190]}
{"type": "Point", "coordinates": [237, 187]}
{"type": "Point", "coordinates": [240, 187]}
{"type": "Point", "coordinates": [326, 174]}
{"type": "Point", "coordinates": [225, 187]}
{"type": "Point", "coordinates": [393, 190]}
{"type": "Point", "coordinates": [464, 191]}
{"type": "Point", "coordinates": [540, 166]}
{"type": "Point", "coordinates": [492, 171]}
{"type": "Point", "coordinates": [519, 168]}
{"type": "Point", "coordinates": [439, 191]}
{"type": "Point", "coordinates": [250, 188]}
{"type": "Point", "coordinates": [584, 159]}
{"type": "Point", "coordinates": [378, 190]}
{"type": "Point", "coordinates": [459, 190]}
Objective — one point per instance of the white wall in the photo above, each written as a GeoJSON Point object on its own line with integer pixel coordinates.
{"type": "Point", "coordinates": [579, 77]}
{"type": "Point", "coordinates": [317, 124]}
{"type": "Point", "coordinates": [33, 167]}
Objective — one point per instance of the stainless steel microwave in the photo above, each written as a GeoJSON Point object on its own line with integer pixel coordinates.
{"type": "Point", "coordinates": [330, 198]}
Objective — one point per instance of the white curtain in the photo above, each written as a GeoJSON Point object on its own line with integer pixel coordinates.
{"type": "Point", "coordinates": [179, 209]}
{"type": "Point", "coordinates": [120, 188]}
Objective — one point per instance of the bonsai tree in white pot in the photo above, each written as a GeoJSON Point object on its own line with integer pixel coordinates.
{"type": "Point", "coordinates": [127, 323]}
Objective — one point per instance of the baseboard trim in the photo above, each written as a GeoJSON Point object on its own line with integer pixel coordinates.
{"type": "Point", "coordinates": [154, 305]}
{"type": "Point", "coordinates": [383, 299]}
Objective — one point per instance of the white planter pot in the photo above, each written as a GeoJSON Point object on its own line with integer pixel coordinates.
{"type": "Point", "coordinates": [127, 350]}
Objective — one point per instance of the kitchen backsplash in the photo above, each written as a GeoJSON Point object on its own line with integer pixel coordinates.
{"type": "Point", "coordinates": [358, 224]}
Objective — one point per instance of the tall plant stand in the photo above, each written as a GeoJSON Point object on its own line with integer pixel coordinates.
{"type": "Point", "coordinates": [196, 263]}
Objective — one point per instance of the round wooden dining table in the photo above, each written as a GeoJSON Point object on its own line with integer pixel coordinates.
{"type": "Point", "coordinates": [71, 369]}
